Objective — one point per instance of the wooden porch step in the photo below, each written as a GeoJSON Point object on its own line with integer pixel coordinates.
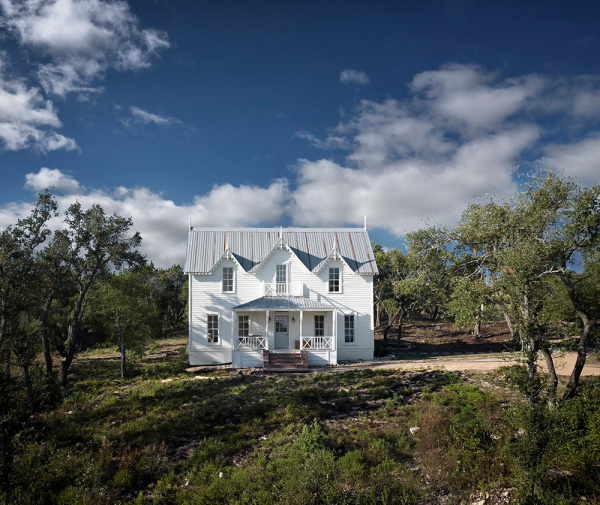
{"type": "Point", "coordinates": [285, 362]}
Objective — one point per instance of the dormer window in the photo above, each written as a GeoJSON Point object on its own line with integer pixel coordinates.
{"type": "Point", "coordinates": [281, 279]}
{"type": "Point", "coordinates": [227, 279]}
{"type": "Point", "coordinates": [334, 280]}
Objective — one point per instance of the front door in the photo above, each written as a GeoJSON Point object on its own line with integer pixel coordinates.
{"type": "Point", "coordinates": [282, 335]}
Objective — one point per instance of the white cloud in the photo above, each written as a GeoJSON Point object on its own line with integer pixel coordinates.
{"type": "Point", "coordinates": [579, 159]}
{"type": "Point", "coordinates": [461, 132]}
{"type": "Point", "coordinates": [162, 223]}
{"type": "Point", "coordinates": [83, 38]}
{"type": "Point", "coordinates": [48, 177]}
{"type": "Point", "coordinates": [354, 77]}
{"type": "Point", "coordinates": [331, 142]}
{"type": "Point", "coordinates": [401, 194]}
{"type": "Point", "coordinates": [474, 98]}
{"type": "Point", "coordinates": [404, 161]}
{"type": "Point", "coordinates": [27, 120]}
{"type": "Point", "coordinates": [144, 117]}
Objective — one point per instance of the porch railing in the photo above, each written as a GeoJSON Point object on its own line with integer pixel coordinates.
{"type": "Point", "coordinates": [251, 343]}
{"type": "Point", "coordinates": [317, 343]}
{"type": "Point", "coordinates": [284, 289]}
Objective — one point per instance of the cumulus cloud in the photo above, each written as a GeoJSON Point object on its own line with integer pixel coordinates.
{"type": "Point", "coordinates": [472, 97]}
{"type": "Point", "coordinates": [579, 159]}
{"type": "Point", "coordinates": [357, 77]}
{"type": "Point", "coordinates": [397, 161]}
{"type": "Point", "coordinates": [54, 178]}
{"type": "Point", "coordinates": [399, 195]}
{"type": "Point", "coordinates": [461, 132]}
{"type": "Point", "coordinates": [162, 223]}
{"type": "Point", "coordinates": [83, 39]}
{"type": "Point", "coordinates": [27, 120]}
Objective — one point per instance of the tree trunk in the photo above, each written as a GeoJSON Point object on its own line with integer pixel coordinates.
{"type": "Point", "coordinates": [511, 328]}
{"type": "Point", "coordinates": [73, 334]}
{"type": "Point", "coordinates": [553, 382]}
{"type": "Point", "coordinates": [66, 363]}
{"type": "Point", "coordinates": [389, 324]}
{"type": "Point", "coordinates": [589, 321]}
{"type": "Point", "coordinates": [45, 341]}
{"type": "Point", "coordinates": [123, 369]}
{"type": "Point", "coordinates": [29, 389]}
{"type": "Point", "coordinates": [4, 319]}
{"type": "Point", "coordinates": [400, 326]}
{"type": "Point", "coordinates": [579, 363]}
{"type": "Point", "coordinates": [530, 351]}
{"type": "Point", "coordinates": [378, 312]}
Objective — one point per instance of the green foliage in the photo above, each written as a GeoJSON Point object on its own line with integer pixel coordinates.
{"type": "Point", "coordinates": [312, 438]}
{"type": "Point", "coordinates": [429, 266]}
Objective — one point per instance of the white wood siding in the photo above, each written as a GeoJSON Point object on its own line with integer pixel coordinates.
{"type": "Point", "coordinates": [356, 297]}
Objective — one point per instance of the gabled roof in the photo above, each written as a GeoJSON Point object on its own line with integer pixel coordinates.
{"type": "Point", "coordinates": [283, 303]}
{"type": "Point", "coordinates": [251, 246]}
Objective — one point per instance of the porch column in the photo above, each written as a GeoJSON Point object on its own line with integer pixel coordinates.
{"type": "Point", "coordinates": [301, 319]}
{"type": "Point", "coordinates": [233, 325]}
{"type": "Point", "coordinates": [267, 329]}
{"type": "Point", "coordinates": [335, 329]}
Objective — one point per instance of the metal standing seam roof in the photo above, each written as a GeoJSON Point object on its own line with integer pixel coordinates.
{"type": "Point", "coordinates": [251, 246]}
{"type": "Point", "coordinates": [283, 303]}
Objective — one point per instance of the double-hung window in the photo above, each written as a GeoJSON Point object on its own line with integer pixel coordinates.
{"type": "Point", "coordinates": [213, 328]}
{"type": "Point", "coordinates": [227, 279]}
{"type": "Point", "coordinates": [244, 326]}
{"type": "Point", "coordinates": [319, 326]}
{"type": "Point", "coordinates": [334, 280]}
{"type": "Point", "coordinates": [349, 328]}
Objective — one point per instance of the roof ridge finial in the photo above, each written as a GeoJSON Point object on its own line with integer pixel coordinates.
{"type": "Point", "coordinates": [190, 216]}
{"type": "Point", "coordinates": [365, 222]}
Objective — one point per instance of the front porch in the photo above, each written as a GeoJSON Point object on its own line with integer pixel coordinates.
{"type": "Point", "coordinates": [283, 324]}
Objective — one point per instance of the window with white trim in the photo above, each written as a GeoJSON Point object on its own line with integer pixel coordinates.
{"type": "Point", "coordinates": [227, 279]}
{"type": "Point", "coordinates": [349, 328]}
{"type": "Point", "coordinates": [319, 326]}
{"type": "Point", "coordinates": [281, 279]}
{"type": "Point", "coordinates": [243, 326]}
{"type": "Point", "coordinates": [334, 280]}
{"type": "Point", "coordinates": [213, 328]}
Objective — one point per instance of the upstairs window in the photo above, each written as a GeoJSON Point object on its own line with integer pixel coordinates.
{"type": "Point", "coordinates": [213, 328]}
{"type": "Point", "coordinates": [334, 280]}
{"type": "Point", "coordinates": [281, 279]}
{"type": "Point", "coordinates": [244, 326]}
{"type": "Point", "coordinates": [319, 326]}
{"type": "Point", "coordinates": [349, 328]}
{"type": "Point", "coordinates": [227, 279]}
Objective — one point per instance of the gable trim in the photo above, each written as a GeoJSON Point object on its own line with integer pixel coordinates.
{"type": "Point", "coordinates": [282, 244]}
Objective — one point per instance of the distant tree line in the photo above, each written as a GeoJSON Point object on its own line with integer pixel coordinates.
{"type": "Point", "coordinates": [59, 291]}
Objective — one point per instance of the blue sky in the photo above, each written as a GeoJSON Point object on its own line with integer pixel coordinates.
{"type": "Point", "coordinates": [291, 113]}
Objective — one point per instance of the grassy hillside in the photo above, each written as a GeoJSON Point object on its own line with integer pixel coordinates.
{"type": "Point", "coordinates": [168, 436]}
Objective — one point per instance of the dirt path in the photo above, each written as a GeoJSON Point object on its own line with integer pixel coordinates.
{"type": "Point", "coordinates": [564, 364]}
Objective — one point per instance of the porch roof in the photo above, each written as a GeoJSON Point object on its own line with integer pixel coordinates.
{"type": "Point", "coordinates": [283, 303]}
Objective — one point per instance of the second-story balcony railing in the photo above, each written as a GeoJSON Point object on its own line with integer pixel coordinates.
{"type": "Point", "coordinates": [284, 289]}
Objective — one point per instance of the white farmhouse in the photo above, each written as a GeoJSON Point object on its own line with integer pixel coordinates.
{"type": "Point", "coordinates": [287, 297]}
